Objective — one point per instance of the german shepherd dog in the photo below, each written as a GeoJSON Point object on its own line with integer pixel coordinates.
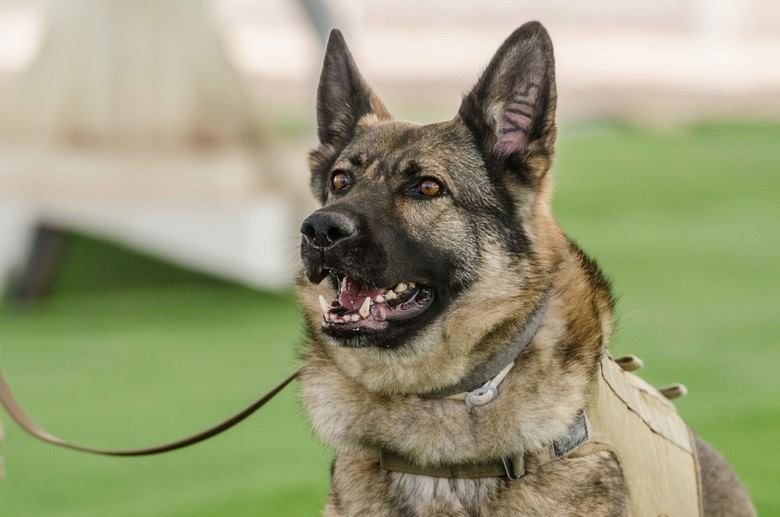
{"type": "Point", "coordinates": [434, 248]}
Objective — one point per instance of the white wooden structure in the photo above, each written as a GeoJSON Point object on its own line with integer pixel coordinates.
{"type": "Point", "coordinates": [132, 124]}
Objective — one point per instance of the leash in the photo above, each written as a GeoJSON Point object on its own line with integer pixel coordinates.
{"type": "Point", "coordinates": [18, 414]}
{"type": "Point", "coordinates": [476, 397]}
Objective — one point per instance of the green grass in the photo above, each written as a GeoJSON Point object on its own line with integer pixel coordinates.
{"type": "Point", "coordinates": [129, 352]}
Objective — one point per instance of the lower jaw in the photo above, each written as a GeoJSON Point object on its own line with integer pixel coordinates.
{"type": "Point", "coordinates": [367, 327]}
{"type": "Point", "coordinates": [376, 339]}
{"type": "Point", "coordinates": [357, 338]}
{"type": "Point", "coordinates": [389, 334]}
{"type": "Point", "coordinates": [384, 334]}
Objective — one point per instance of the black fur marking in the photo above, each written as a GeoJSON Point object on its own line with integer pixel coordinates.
{"type": "Point", "coordinates": [319, 175]}
{"type": "Point", "coordinates": [411, 169]}
{"type": "Point", "coordinates": [582, 343]}
{"type": "Point", "coordinates": [572, 350]}
{"type": "Point", "coordinates": [594, 273]}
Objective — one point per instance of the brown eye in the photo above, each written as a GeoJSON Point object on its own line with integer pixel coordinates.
{"type": "Point", "coordinates": [429, 188]}
{"type": "Point", "coordinates": [340, 181]}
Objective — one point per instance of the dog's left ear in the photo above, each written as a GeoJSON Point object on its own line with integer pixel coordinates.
{"type": "Point", "coordinates": [511, 110]}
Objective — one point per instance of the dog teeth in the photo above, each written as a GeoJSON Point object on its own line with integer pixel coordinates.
{"type": "Point", "coordinates": [355, 318]}
{"type": "Point", "coordinates": [365, 308]}
{"type": "Point", "coordinates": [411, 285]}
{"type": "Point", "coordinates": [390, 295]}
{"type": "Point", "coordinates": [401, 287]}
{"type": "Point", "coordinates": [324, 306]}
{"type": "Point", "coordinates": [379, 298]}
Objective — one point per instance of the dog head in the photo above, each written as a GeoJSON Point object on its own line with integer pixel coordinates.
{"type": "Point", "coordinates": [433, 241]}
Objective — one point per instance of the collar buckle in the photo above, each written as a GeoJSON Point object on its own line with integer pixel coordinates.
{"type": "Point", "coordinates": [481, 396]}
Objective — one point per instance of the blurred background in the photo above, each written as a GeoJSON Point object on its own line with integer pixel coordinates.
{"type": "Point", "coordinates": [153, 177]}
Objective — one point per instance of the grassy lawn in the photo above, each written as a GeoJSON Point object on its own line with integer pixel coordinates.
{"type": "Point", "coordinates": [129, 352]}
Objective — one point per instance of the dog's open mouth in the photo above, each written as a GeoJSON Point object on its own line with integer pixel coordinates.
{"type": "Point", "coordinates": [361, 307]}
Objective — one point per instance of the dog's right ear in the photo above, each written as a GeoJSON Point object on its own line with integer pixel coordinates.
{"type": "Point", "coordinates": [343, 101]}
{"type": "Point", "coordinates": [343, 97]}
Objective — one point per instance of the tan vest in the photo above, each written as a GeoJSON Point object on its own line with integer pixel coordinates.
{"type": "Point", "coordinates": [655, 447]}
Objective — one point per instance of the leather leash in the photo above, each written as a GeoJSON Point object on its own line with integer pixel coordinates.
{"type": "Point", "coordinates": [18, 414]}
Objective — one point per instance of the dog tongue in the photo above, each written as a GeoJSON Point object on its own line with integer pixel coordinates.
{"type": "Point", "coordinates": [353, 294]}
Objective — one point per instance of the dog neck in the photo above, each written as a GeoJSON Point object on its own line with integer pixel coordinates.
{"type": "Point", "coordinates": [499, 364]}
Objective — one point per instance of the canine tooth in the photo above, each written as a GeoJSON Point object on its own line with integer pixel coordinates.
{"type": "Point", "coordinates": [390, 295]}
{"type": "Point", "coordinates": [401, 287]}
{"type": "Point", "coordinates": [365, 308]}
{"type": "Point", "coordinates": [379, 298]}
{"type": "Point", "coordinates": [355, 317]}
{"type": "Point", "coordinates": [324, 305]}
{"type": "Point", "coordinates": [411, 285]}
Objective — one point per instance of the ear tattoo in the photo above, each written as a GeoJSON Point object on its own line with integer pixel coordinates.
{"type": "Point", "coordinates": [516, 120]}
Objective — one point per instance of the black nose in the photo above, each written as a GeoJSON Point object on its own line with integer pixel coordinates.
{"type": "Point", "coordinates": [324, 229]}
